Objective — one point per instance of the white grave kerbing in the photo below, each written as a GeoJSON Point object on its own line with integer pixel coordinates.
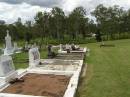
{"type": "Point", "coordinates": [8, 45]}
{"type": "Point", "coordinates": [34, 57]}
{"type": "Point", "coordinates": [7, 69]}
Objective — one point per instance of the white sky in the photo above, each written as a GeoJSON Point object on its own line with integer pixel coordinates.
{"type": "Point", "coordinates": [10, 10]}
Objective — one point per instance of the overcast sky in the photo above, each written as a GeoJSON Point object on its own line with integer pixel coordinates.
{"type": "Point", "coordinates": [10, 10]}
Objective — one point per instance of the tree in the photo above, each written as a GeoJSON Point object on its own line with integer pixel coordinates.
{"type": "Point", "coordinates": [19, 29]}
{"type": "Point", "coordinates": [57, 18]}
{"type": "Point", "coordinates": [41, 20]}
{"type": "Point", "coordinates": [77, 22]}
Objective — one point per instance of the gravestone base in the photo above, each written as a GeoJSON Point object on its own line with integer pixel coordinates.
{"type": "Point", "coordinates": [8, 52]}
{"type": "Point", "coordinates": [34, 64]}
{"type": "Point", "coordinates": [4, 80]}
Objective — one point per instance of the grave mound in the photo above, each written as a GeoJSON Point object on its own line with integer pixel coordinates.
{"type": "Point", "coordinates": [40, 85]}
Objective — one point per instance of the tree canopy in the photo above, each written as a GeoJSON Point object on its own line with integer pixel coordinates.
{"type": "Point", "coordinates": [113, 22]}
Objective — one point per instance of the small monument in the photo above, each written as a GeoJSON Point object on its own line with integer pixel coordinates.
{"type": "Point", "coordinates": [16, 49]}
{"type": "Point", "coordinates": [61, 49]}
{"type": "Point", "coordinates": [7, 70]}
{"type": "Point", "coordinates": [15, 46]}
{"type": "Point", "coordinates": [34, 57]}
{"type": "Point", "coordinates": [8, 45]}
{"type": "Point", "coordinates": [51, 54]}
{"type": "Point", "coordinates": [68, 48]}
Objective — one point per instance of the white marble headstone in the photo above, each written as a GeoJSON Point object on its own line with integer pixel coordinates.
{"type": "Point", "coordinates": [16, 49]}
{"type": "Point", "coordinates": [7, 69]}
{"type": "Point", "coordinates": [15, 46]}
{"type": "Point", "coordinates": [61, 47]}
{"type": "Point", "coordinates": [67, 46]}
{"type": "Point", "coordinates": [8, 45]}
{"type": "Point", "coordinates": [34, 57]}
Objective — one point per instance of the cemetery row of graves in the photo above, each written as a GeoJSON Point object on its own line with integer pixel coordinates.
{"type": "Point", "coordinates": [56, 76]}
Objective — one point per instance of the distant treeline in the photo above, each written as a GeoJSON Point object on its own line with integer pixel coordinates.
{"type": "Point", "coordinates": [112, 22]}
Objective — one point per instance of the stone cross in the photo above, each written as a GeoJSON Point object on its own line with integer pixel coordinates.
{"type": "Point", "coordinates": [8, 45]}
{"type": "Point", "coordinates": [34, 57]}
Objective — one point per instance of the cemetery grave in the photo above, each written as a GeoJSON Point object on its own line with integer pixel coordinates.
{"type": "Point", "coordinates": [7, 70]}
{"type": "Point", "coordinates": [58, 64]}
{"type": "Point", "coordinates": [71, 56]}
{"type": "Point", "coordinates": [68, 64]}
{"type": "Point", "coordinates": [39, 85]}
{"type": "Point", "coordinates": [71, 49]}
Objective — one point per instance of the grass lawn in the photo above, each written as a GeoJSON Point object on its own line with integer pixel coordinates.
{"type": "Point", "coordinates": [108, 72]}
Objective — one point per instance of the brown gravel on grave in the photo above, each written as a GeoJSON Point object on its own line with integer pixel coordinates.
{"type": "Point", "coordinates": [40, 85]}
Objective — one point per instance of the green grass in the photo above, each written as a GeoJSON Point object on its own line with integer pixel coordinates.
{"type": "Point", "coordinates": [20, 60]}
{"type": "Point", "coordinates": [108, 72]}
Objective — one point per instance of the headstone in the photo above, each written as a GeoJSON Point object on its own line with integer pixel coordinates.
{"type": "Point", "coordinates": [34, 45]}
{"type": "Point", "coordinates": [16, 49]}
{"type": "Point", "coordinates": [61, 47]}
{"type": "Point", "coordinates": [68, 48]}
{"type": "Point", "coordinates": [34, 57]}
{"type": "Point", "coordinates": [26, 45]}
{"type": "Point", "coordinates": [15, 46]}
{"type": "Point", "coordinates": [51, 54]}
{"type": "Point", "coordinates": [7, 69]}
{"type": "Point", "coordinates": [8, 45]}
{"type": "Point", "coordinates": [61, 50]}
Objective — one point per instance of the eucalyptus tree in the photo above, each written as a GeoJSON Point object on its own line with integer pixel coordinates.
{"type": "Point", "coordinates": [57, 21]}
{"type": "Point", "coordinates": [41, 23]}
{"type": "Point", "coordinates": [77, 22]}
{"type": "Point", "coordinates": [100, 13]}
{"type": "Point", "coordinates": [29, 31]}
{"type": "Point", "coordinates": [3, 28]}
{"type": "Point", "coordinates": [109, 19]}
{"type": "Point", "coordinates": [19, 29]}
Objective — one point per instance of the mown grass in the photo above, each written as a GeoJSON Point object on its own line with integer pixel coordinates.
{"type": "Point", "coordinates": [108, 72]}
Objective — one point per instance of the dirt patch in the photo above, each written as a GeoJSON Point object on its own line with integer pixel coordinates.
{"type": "Point", "coordinates": [40, 85]}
